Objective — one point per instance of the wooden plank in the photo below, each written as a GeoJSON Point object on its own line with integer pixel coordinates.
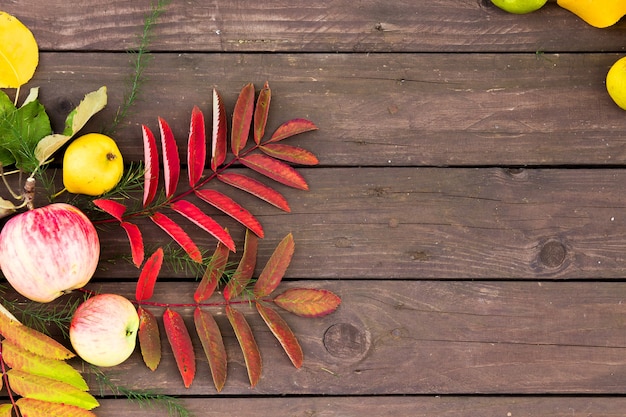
{"type": "Point", "coordinates": [374, 110]}
{"type": "Point", "coordinates": [417, 337]}
{"type": "Point", "coordinates": [338, 26]}
{"type": "Point", "coordinates": [399, 223]}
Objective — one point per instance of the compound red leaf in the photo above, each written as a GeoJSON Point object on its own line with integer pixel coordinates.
{"type": "Point", "coordinates": [171, 160]}
{"type": "Point", "coordinates": [149, 338]}
{"type": "Point", "coordinates": [283, 333]}
{"type": "Point", "coordinates": [261, 111]}
{"type": "Point", "coordinates": [178, 234]}
{"type": "Point", "coordinates": [230, 207]}
{"type": "Point", "coordinates": [291, 128]}
{"type": "Point", "coordinates": [148, 276]}
{"type": "Point", "coordinates": [136, 242]}
{"type": "Point", "coordinates": [196, 147]}
{"type": "Point", "coordinates": [290, 153]}
{"type": "Point", "coordinates": [151, 166]}
{"type": "Point", "coordinates": [308, 302]}
{"type": "Point", "coordinates": [111, 207]}
{"type": "Point", "coordinates": [275, 268]}
{"type": "Point", "coordinates": [242, 118]}
{"type": "Point", "coordinates": [219, 141]}
{"type": "Point", "coordinates": [276, 170]}
{"type": "Point", "coordinates": [213, 346]}
{"type": "Point", "coordinates": [243, 274]}
{"type": "Point", "coordinates": [249, 347]}
{"type": "Point", "coordinates": [180, 341]}
{"type": "Point", "coordinates": [212, 274]}
{"type": "Point", "coordinates": [197, 216]}
{"type": "Point", "coordinates": [256, 188]}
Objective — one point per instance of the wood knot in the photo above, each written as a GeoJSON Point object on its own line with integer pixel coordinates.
{"type": "Point", "coordinates": [552, 254]}
{"type": "Point", "coordinates": [346, 341]}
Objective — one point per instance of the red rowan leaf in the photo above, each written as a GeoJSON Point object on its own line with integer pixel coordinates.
{"type": "Point", "coordinates": [261, 111]}
{"type": "Point", "coordinates": [230, 207]}
{"type": "Point", "coordinates": [213, 346]}
{"type": "Point", "coordinates": [171, 160]}
{"type": "Point", "coordinates": [290, 153]}
{"type": "Point", "coordinates": [291, 128]}
{"type": "Point", "coordinates": [308, 302]}
{"type": "Point", "coordinates": [275, 268]}
{"type": "Point", "coordinates": [136, 242]}
{"type": "Point", "coordinates": [275, 169]}
{"type": "Point", "coordinates": [242, 118]}
{"type": "Point", "coordinates": [219, 141]}
{"type": "Point", "coordinates": [30, 407]}
{"type": "Point", "coordinates": [148, 276]}
{"type": "Point", "coordinates": [180, 341]}
{"type": "Point", "coordinates": [196, 147]}
{"type": "Point", "coordinates": [149, 338]}
{"type": "Point", "coordinates": [178, 234]}
{"type": "Point", "coordinates": [197, 216]}
{"type": "Point", "coordinates": [212, 274]}
{"type": "Point", "coordinates": [151, 166]}
{"type": "Point", "coordinates": [256, 188]}
{"type": "Point", "coordinates": [249, 347]}
{"type": "Point", "coordinates": [243, 274]}
{"type": "Point", "coordinates": [111, 207]}
{"type": "Point", "coordinates": [283, 333]}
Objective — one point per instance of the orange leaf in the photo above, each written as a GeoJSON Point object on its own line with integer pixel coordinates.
{"type": "Point", "coordinates": [136, 242]}
{"type": "Point", "coordinates": [290, 153]}
{"type": "Point", "coordinates": [197, 216]}
{"type": "Point", "coordinates": [218, 144]}
{"type": "Point", "coordinates": [275, 169]}
{"type": "Point", "coordinates": [196, 147]}
{"type": "Point", "coordinates": [111, 207]}
{"type": "Point", "coordinates": [30, 407]}
{"type": "Point", "coordinates": [212, 274]}
{"type": "Point", "coordinates": [275, 268]}
{"type": "Point", "coordinates": [178, 234]}
{"type": "Point", "coordinates": [255, 188]}
{"type": "Point", "coordinates": [230, 207]}
{"type": "Point", "coordinates": [242, 117]}
{"type": "Point", "coordinates": [291, 128]}
{"type": "Point", "coordinates": [148, 276]}
{"type": "Point", "coordinates": [243, 274]}
{"type": "Point", "coordinates": [261, 111]}
{"type": "Point", "coordinates": [151, 166]}
{"type": "Point", "coordinates": [149, 338]}
{"type": "Point", "coordinates": [213, 345]}
{"type": "Point", "coordinates": [180, 341]}
{"type": "Point", "coordinates": [248, 345]}
{"type": "Point", "coordinates": [283, 333]}
{"type": "Point", "coordinates": [308, 302]}
{"type": "Point", "coordinates": [171, 160]}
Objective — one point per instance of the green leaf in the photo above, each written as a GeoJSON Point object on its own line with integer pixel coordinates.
{"type": "Point", "coordinates": [37, 408]}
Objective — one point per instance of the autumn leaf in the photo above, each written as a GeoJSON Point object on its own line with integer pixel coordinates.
{"type": "Point", "coordinates": [242, 117]}
{"type": "Point", "coordinates": [19, 53]}
{"type": "Point", "coordinates": [291, 128]}
{"type": "Point", "coordinates": [110, 207]}
{"type": "Point", "coordinates": [136, 242]}
{"type": "Point", "coordinates": [308, 302]}
{"type": "Point", "coordinates": [151, 166]}
{"type": "Point", "coordinates": [212, 274]}
{"type": "Point", "coordinates": [218, 138]}
{"type": "Point", "coordinates": [149, 338]}
{"type": "Point", "coordinates": [171, 160]}
{"type": "Point", "coordinates": [276, 170]}
{"type": "Point", "coordinates": [178, 234]}
{"type": "Point", "coordinates": [180, 341]}
{"type": "Point", "coordinates": [249, 347]}
{"type": "Point", "coordinates": [261, 112]}
{"type": "Point", "coordinates": [30, 407]}
{"type": "Point", "coordinates": [148, 276]}
{"type": "Point", "coordinates": [275, 268]}
{"type": "Point", "coordinates": [245, 269]}
{"type": "Point", "coordinates": [283, 333]}
{"type": "Point", "coordinates": [256, 188]}
{"type": "Point", "coordinates": [289, 153]}
{"type": "Point", "coordinates": [205, 222]}
{"type": "Point", "coordinates": [196, 146]}
{"type": "Point", "coordinates": [229, 206]}
{"type": "Point", "coordinates": [213, 346]}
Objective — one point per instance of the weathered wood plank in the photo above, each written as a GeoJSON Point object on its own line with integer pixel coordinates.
{"type": "Point", "coordinates": [375, 110]}
{"type": "Point", "coordinates": [340, 25]}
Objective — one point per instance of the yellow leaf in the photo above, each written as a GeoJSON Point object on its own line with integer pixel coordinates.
{"type": "Point", "coordinates": [6, 410]}
{"type": "Point", "coordinates": [19, 54]}
{"type": "Point", "coordinates": [37, 408]}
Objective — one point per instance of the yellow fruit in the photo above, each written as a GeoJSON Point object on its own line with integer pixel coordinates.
{"type": "Point", "coordinates": [92, 165]}
{"type": "Point", "coordinates": [616, 82]}
{"type": "Point", "coordinates": [519, 6]}
{"type": "Point", "coordinates": [598, 13]}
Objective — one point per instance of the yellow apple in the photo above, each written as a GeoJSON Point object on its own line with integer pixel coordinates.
{"type": "Point", "coordinates": [616, 82]}
{"type": "Point", "coordinates": [92, 165]}
{"type": "Point", "coordinates": [519, 6]}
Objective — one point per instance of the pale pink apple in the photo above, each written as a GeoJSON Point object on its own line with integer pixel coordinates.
{"type": "Point", "coordinates": [48, 251]}
{"type": "Point", "coordinates": [103, 331]}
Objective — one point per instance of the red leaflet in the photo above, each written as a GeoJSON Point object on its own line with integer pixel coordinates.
{"type": "Point", "coordinates": [275, 268]}
{"type": "Point", "coordinates": [171, 161]}
{"type": "Point", "coordinates": [283, 333]}
{"type": "Point", "coordinates": [291, 128]}
{"type": "Point", "coordinates": [276, 170]}
{"type": "Point", "coordinates": [213, 346]}
{"type": "Point", "coordinates": [256, 188]}
{"type": "Point", "coordinates": [248, 345]}
{"type": "Point", "coordinates": [218, 145]}
{"type": "Point", "coordinates": [196, 147]}
{"type": "Point", "coordinates": [148, 276]}
{"type": "Point", "coordinates": [212, 274]}
{"type": "Point", "coordinates": [290, 153]}
{"type": "Point", "coordinates": [180, 341]}
{"type": "Point", "coordinates": [136, 242]}
{"type": "Point", "coordinates": [111, 207]}
{"type": "Point", "coordinates": [308, 302]}
{"type": "Point", "coordinates": [243, 274]}
{"type": "Point", "coordinates": [151, 166]}
{"type": "Point", "coordinates": [261, 111]}
{"type": "Point", "coordinates": [242, 118]}
{"type": "Point", "coordinates": [230, 207]}
{"type": "Point", "coordinates": [178, 234]}
{"type": "Point", "coordinates": [149, 338]}
{"type": "Point", "coordinates": [193, 213]}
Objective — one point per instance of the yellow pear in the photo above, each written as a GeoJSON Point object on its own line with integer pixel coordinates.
{"type": "Point", "coordinates": [616, 82]}
{"type": "Point", "coordinates": [92, 165]}
{"type": "Point", "coordinates": [598, 13]}
{"type": "Point", "coordinates": [519, 6]}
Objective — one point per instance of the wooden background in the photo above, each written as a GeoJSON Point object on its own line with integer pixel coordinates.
{"type": "Point", "coordinates": [469, 206]}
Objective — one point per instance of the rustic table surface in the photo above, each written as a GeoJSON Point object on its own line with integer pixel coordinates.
{"type": "Point", "coordinates": [469, 207]}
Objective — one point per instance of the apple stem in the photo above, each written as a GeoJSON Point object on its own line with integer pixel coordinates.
{"type": "Point", "coordinates": [29, 193]}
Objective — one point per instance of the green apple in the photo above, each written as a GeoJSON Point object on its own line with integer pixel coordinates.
{"type": "Point", "coordinates": [519, 6]}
